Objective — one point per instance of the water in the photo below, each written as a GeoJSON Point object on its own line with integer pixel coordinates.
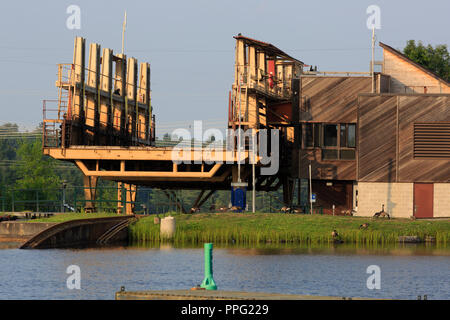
{"type": "Point", "coordinates": [406, 272]}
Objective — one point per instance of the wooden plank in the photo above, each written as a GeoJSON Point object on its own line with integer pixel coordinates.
{"type": "Point", "coordinates": [377, 138]}
{"type": "Point", "coordinates": [386, 138]}
{"type": "Point", "coordinates": [332, 99]}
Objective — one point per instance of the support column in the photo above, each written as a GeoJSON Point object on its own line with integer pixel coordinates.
{"type": "Point", "coordinates": [90, 192]}
{"type": "Point", "coordinates": [106, 122]}
{"type": "Point", "coordinates": [92, 100]}
{"type": "Point", "coordinates": [131, 198]}
{"type": "Point", "coordinates": [288, 191]}
{"type": "Point", "coordinates": [126, 197]}
{"type": "Point", "coordinates": [78, 109]}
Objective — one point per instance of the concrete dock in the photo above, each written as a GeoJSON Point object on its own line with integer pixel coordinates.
{"type": "Point", "coordinates": [218, 295]}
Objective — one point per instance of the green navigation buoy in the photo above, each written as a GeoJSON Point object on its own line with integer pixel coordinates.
{"type": "Point", "coordinates": [208, 283]}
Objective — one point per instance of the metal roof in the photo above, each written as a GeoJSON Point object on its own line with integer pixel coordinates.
{"type": "Point", "coordinates": [267, 47]}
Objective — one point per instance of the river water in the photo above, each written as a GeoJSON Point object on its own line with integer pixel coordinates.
{"type": "Point", "coordinates": [406, 271]}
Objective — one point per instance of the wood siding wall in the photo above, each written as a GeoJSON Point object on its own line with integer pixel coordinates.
{"type": "Point", "coordinates": [334, 100]}
{"type": "Point", "coordinates": [407, 78]}
{"type": "Point", "coordinates": [386, 137]}
{"type": "Point", "coordinates": [331, 99]}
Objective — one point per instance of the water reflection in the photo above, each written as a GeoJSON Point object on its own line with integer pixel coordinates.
{"type": "Point", "coordinates": [407, 270]}
{"type": "Point", "coordinates": [400, 249]}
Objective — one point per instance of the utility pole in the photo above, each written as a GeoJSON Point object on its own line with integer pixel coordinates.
{"type": "Point", "coordinates": [253, 170]}
{"type": "Point", "coordinates": [310, 189]}
{"type": "Point", "coordinates": [239, 130]}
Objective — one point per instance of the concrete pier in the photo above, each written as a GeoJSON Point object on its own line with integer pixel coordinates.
{"type": "Point", "coordinates": [218, 295]}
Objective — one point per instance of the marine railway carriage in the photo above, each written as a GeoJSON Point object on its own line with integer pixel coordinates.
{"type": "Point", "coordinates": [365, 135]}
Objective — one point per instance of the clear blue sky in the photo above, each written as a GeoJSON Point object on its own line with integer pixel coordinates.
{"type": "Point", "coordinates": [190, 44]}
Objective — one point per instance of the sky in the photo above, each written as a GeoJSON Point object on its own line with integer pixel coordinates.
{"type": "Point", "coordinates": [190, 45]}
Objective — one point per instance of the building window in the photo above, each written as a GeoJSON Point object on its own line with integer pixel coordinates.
{"type": "Point", "coordinates": [343, 135]}
{"type": "Point", "coordinates": [337, 140]}
{"type": "Point", "coordinates": [330, 154]}
{"type": "Point", "coordinates": [330, 134]}
{"type": "Point", "coordinates": [309, 135]}
{"type": "Point", "coordinates": [348, 135]}
{"type": "Point", "coordinates": [351, 136]}
{"type": "Point", "coordinates": [317, 135]}
{"type": "Point", "coordinates": [313, 135]}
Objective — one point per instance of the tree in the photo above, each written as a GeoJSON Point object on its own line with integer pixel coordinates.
{"type": "Point", "coordinates": [35, 171]}
{"type": "Point", "coordinates": [8, 147]}
{"type": "Point", "coordinates": [435, 59]}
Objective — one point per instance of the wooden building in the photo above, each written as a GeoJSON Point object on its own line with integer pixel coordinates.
{"type": "Point", "coordinates": [388, 148]}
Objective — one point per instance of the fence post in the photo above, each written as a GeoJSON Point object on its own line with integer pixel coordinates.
{"type": "Point", "coordinates": [270, 203]}
{"type": "Point", "coordinates": [3, 199]}
{"type": "Point", "coordinates": [124, 199]}
{"type": "Point", "coordinates": [63, 208]}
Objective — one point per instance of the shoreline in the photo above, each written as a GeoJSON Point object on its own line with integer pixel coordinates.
{"type": "Point", "coordinates": [277, 228]}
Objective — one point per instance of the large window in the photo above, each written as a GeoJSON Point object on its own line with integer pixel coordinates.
{"type": "Point", "coordinates": [337, 140]}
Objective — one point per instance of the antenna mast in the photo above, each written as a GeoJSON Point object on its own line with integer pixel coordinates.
{"type": "Point", "coordinates": [373, 62]}
{"type": "Point", "coordinates": [123, 30]}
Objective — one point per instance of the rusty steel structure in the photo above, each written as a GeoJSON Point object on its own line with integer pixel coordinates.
{"type": "Point", "coordinates": [102, 121]}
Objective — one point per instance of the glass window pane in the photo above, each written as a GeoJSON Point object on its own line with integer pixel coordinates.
{"type": "Point", "coordinates": [329, 154]}
{"type": "Point", "coordinates": [330, 135]}
{"type": "Point", "coordinates": [308, 135]}
{"type": "Point", "coordinates": [343, 135]}
{"type": "Point", "coordinates": [351, 138]}
{"type": "Point", "coordinates": [347, 154]}
{"type": "Point", "coordinates": [317, 135]}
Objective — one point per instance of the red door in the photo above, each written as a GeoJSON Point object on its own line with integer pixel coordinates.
{"type": "Point", "coordinates": [423, 200]}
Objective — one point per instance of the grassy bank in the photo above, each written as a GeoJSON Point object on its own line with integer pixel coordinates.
{"type": "Point", "coordinates": [73, 216]}
{"type": "Point", "coordinates": [228, 228]}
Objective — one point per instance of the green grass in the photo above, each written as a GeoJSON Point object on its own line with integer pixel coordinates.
{"type": "Point", "coordinates": [244, 229]}
{"type": "Point", "coordinates": [73, 216]}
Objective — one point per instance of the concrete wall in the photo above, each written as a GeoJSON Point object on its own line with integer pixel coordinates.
{"type": "Point", "coordinates": [407, 78]}
{"type": "Point", "coordinates": [397, 198]}
{"type": "Point", "coordinates": [22, 229]}
{"type": "Point", "coordinates": [81, 232]}
{"type": "Point", "coordinates": [441, 204]}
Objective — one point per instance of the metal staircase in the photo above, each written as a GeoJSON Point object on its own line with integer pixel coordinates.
{"type": "Point", "coordinates": [56, 113]}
